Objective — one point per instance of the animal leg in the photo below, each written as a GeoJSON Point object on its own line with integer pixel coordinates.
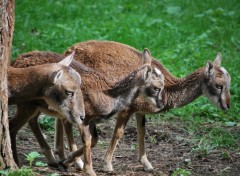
{"type": "Point", "coordinates": [46, 150]}
{"type": "Point", "coordinates": [122, 120]}
{"type": "Point", "coordinates": [89, 138]}
{"type": "Point", "coordinates": [24, 113]}
{"type": "Point", "coordinates": [141, 142]}
{"type": "Point", "coordinates": [72, 144]}
{"type": "Point", "coordinates": [59, 142]}
{"type": "Point", "coordinates": [86, 139]}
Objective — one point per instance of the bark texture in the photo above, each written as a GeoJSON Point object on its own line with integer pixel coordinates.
{"type": "Point", "coordinates": [6, 35]}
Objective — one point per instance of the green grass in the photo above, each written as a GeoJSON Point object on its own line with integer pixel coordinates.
{"type": "Point", "coordinates": [24, 171]}
{"type": "Point", "coordinates": [182, 34]}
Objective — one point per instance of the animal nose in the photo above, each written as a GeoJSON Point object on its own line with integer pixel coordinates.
{"type": "Point", "coordinates": [228, 105]}
{"type": "Point", "coordinates": [82, 117]}
{"type": "Point", "coordinates": [160, 104]}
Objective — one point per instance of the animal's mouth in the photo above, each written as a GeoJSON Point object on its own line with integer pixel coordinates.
{"type": "Point", "coordinates": [160, 104]}
{"type": "Point", "coordinates": [224, 106]}
{"type": "Point", "coordinates": [75, 119]}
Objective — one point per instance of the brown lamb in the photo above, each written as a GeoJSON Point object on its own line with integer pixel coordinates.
{"type": "Point", "coordinates": [51, 85]}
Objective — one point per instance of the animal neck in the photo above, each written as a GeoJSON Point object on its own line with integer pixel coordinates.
{"type": "Point", "coordinates": [105, 101]}
{"type": "Point", "coordinates": [25, 84]}
{"type": "Point", "coordinates": [126, 90]}
{"type": "Point", "coordinates": [184, 90]}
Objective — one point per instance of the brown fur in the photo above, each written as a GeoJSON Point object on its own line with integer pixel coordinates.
{"type": "Point", "coordinates": [51, 83]}
{"type": "Point", "coordinates": [45, 86]}
{"type": "Point", "coordinates": [102, 97]}
{"type": "Point", "coordinates": [107, 58]}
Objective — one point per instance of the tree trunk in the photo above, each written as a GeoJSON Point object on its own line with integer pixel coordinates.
{"type": "Point", "coordinates": [6, 34]}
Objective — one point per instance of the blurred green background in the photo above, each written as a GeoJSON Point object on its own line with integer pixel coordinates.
{"type": "Point", "coordinates": [181, 34]}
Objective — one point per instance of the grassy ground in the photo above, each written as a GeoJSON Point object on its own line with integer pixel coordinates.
{"type": "Point", "coordinates": [183, 34]}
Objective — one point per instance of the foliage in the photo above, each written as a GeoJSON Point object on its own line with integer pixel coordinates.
{"type": "Point", "coordinates": [4, 172]}
{"type": "Point", "coordinates": [181, 172]}
{"type": "Point", "coordinates": [134, 146]}
{"type": "Point", "coordinates": [32, 156]}
{"type": "Point", "coordinates": [152, 139]}
{"type": "Point", "coordinates": [24, 171]}
{"type": "Point", "coordinates": [41, 164]}
{"type": "Point", "coordinates": [101, 143]}
{"type": "Point", "coordinates": [46, 123]}
{"type": "Point", "coordinates": [183, 38]}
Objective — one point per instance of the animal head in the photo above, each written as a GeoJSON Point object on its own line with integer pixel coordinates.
{"type": "Point", "coordinates": [64, 94]}
{"type": "Point", "coordinates": [217, 85]}
{"type": "Point", "coordinates": [155, 84]}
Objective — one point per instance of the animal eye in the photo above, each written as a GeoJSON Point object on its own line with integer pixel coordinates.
{"type": "Point", "coordinates": [156, 89]}
{"type": "Point", "coordinates": [69, 93]}
{"type": "Point", "coordinates": [219, 86]}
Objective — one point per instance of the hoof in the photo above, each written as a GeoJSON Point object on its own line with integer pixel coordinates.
{"type": "Point", "coordinates": [53, 165]}
{"type": "Point", "coordinates": [107, 172]}
{"type": "Point", "coordinates": [79, 165]}
{"type": "Point", "coordinates": [61, 163]}
{"type": "Point", "coordinates": [56, 166]}
{"type": "Point", "coordinates": [91, 173]}
{"type": "Point", "coordinates": [89, 170]}
{"type": "Point", "coordinates": [107, 168]}
{"type": "Point", "coordinates": [148, 169]}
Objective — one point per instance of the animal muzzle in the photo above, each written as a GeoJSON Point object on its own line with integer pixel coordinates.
{"type": "Point", "coordinates": [76, 119]}
{"type": "Point", "coordinates": [161, 100]}
{"type": "Point", "coordinates": [160, 104]}
{"type": "Point", "coordinates": [82, 117]}
{"type": "Point", "coordinates": [224, 104]}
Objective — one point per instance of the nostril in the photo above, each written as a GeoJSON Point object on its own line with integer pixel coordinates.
{"type": "Point", "coordinates": [160, 104]}
{"type": "Point", "coordinates": [82, 117]}
{"type": "Point", "coordinates": [228, 105]}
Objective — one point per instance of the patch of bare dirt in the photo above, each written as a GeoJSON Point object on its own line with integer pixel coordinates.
{"type": "Point", "coordinates": [168, 147]}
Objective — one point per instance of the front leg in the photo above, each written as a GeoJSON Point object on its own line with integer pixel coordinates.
{"type": "Point", "coordinates": [141, 142]}
{"type": "Point", "coordinates": [86, 150]}
{"type": "Point", "coordinates": [86, 140]}
{"type": "Point", "coordinates": [122, 120]}
{"type": "Point", "coordinates": [46, 150]}
{"type": "Point", "coordinates": [68, 128]}
{"type": "Point", "coordinates": [59, 141]}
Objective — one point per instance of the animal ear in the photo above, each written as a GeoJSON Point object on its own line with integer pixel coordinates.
{"type": "Point", "coordinates": [147, 73]}
{"type": "Point", "coordinates": [218, 60]}
{"type": "Point", "coordinates": [147, 57]}
{"type": "Point", "coordinates": [209, 70]}
{"type": "Point", "coordinates": [56, 76]}
{"type": "Point", "coordinates": [67, 60]}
